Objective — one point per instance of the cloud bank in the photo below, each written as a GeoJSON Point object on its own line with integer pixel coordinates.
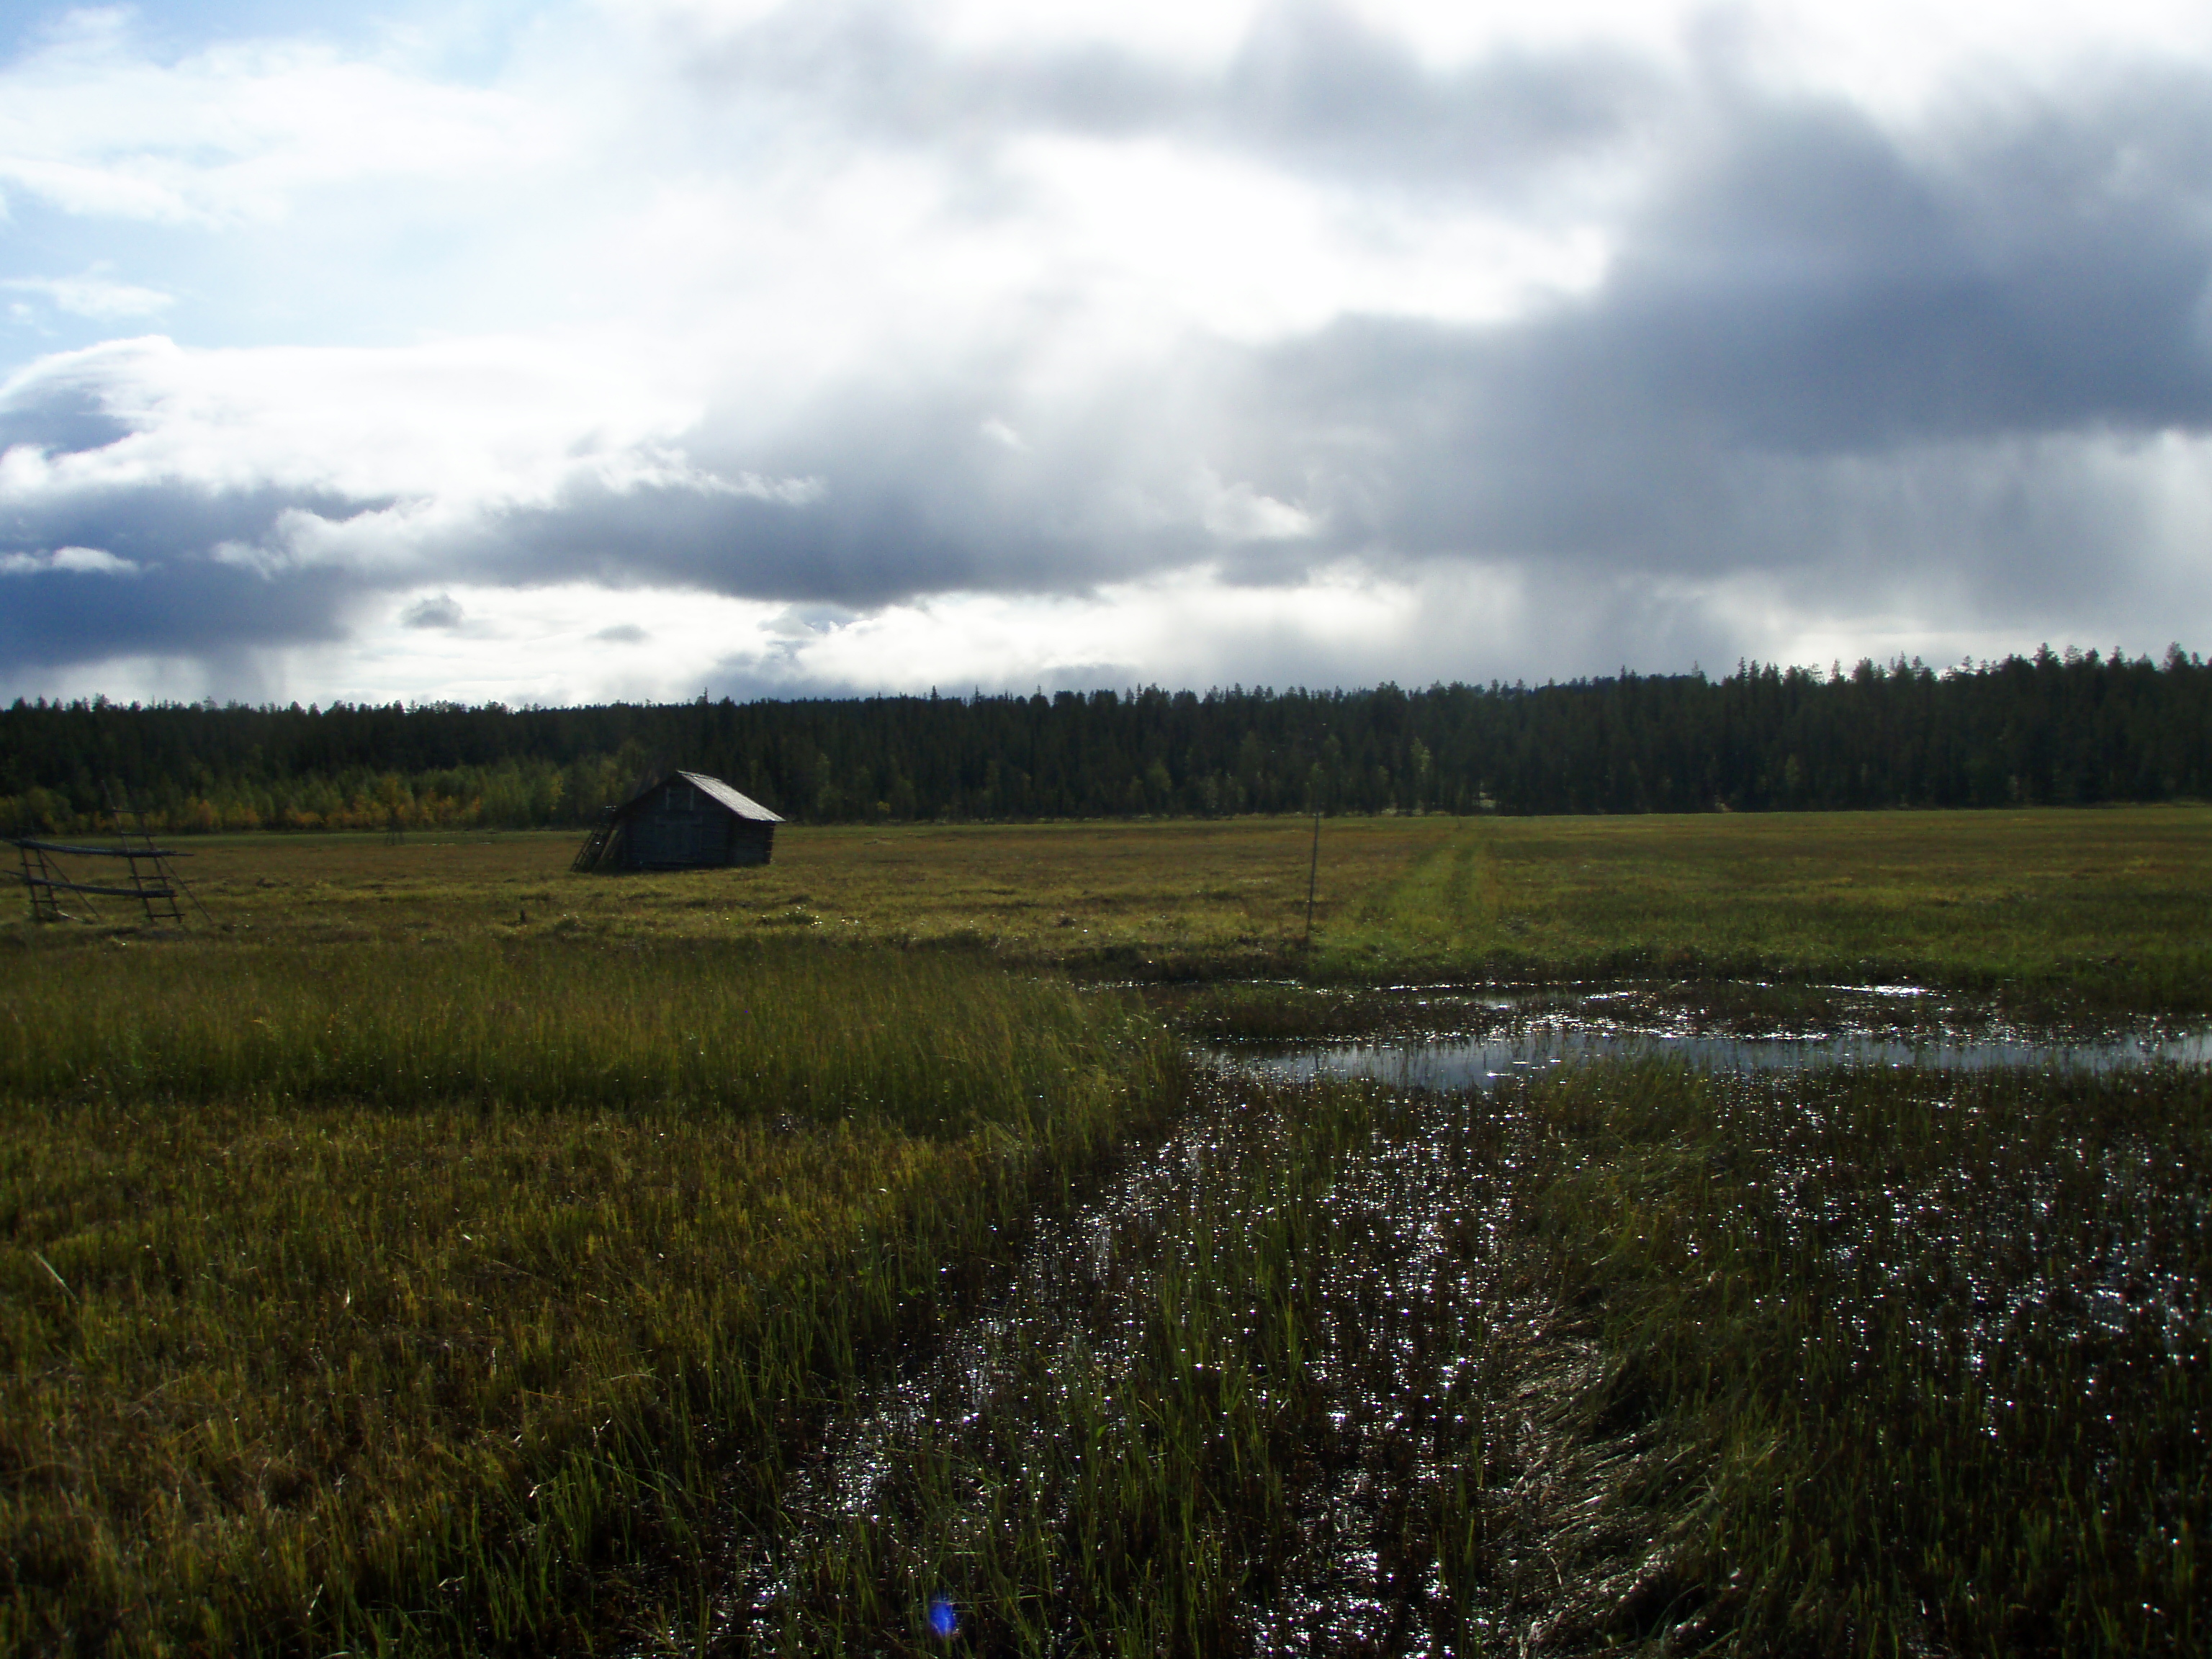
{"type": "Point", "coordinates": [799, 349]}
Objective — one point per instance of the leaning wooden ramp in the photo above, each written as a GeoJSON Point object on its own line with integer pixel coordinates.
{"type": "Point", "coordinates": [598, 845]}
{"type": "Point", "coordinates": [595, 844]}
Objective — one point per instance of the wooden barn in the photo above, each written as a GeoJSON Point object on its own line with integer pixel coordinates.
{"type": "Point", "coordinates": [684, 821]}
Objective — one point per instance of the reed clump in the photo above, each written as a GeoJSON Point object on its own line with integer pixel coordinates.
{"type": "Point", "coordinates": [1862, 1360]}
{"type": "Point", "coordinates": [478, 1299]}
{"type": "Point", "coordinates": [938, 1047]}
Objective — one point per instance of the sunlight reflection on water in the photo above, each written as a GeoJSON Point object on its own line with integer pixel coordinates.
{"type": "Point", "coordinates": [1462, 1063]}
{"type": "Point", "coordinates": [1866, 1026]}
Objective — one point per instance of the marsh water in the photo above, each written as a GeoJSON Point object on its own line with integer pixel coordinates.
{"type": "Point", "coordinates": [1447, 1039]}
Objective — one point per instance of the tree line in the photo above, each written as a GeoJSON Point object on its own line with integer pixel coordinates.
{"type": "Point", "coordinates": [2051, 728]}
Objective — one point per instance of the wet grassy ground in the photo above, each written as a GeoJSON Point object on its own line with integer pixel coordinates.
{"type": "Point", "coordinates": [439, 1252]}
{"type": "Point", "coordinates": [2101, 907]}
{"type": "Point", "coordinates": [1841, 1362]}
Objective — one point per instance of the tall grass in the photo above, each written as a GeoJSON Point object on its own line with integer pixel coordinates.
{"type": "Point", "coordinates": [2052, 907]}
{"type": "Point", "coordinates": [430, 1301]}
{"type": "Point", "coordinates": [938, 1047]}
{"type": "Point", "coordinates": [2107, 906]}
{"type": "Point", "coordinates": [1291, 1387]}
{"type": "Point", "coordinates": [544, 1294]}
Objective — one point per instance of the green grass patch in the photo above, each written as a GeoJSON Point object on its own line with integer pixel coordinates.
{"type": "Point", "coordinates": [445, 1253]}
{"type": "Point", "coordinates": [2107, 908]}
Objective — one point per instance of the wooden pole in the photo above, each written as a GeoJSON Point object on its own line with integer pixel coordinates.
{"type": "Point", "coordinates": [1313, 876]}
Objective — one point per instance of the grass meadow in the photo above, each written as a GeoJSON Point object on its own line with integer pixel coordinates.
{"type": "Point", "coordinates": [432, 1251]}
{"type": "Point", "coordinates": [2107, 906]}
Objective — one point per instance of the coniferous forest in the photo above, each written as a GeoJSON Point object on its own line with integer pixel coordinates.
{"type": "Point", "coordinates": [2071, 728]}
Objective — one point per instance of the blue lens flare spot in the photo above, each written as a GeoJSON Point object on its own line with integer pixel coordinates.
{"type": "Point", "coordinates": [944, 1617]}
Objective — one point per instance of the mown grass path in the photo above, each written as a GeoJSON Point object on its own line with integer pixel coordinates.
{"type": "Point", "coordinates": [2114, 905]}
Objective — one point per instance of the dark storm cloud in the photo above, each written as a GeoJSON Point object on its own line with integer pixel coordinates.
{"type": "Point", "coordinates": [185, 599]}
{"type": "Point", "coordinates": [438, 610]}
{"type": "Point", "coordinates": [1815, 285]}
{"type": "Point", "coordinates": [913, 497]}
{"type": "Point", "coordinates": [183, 608]}
{"type": "Point", "coordinates": [880, 539]}
{"type": "Point", "coordinates": [868, 550]}
{"type": "Point", "coordinates": [67, 419]}
{"type": "Point", "coordinates": [62, 406]}
{"type": "Point", "coordinates": [1809, 300]}
{"type": "Point", "coordinates": [165, 522]}
{"type": "Point", "coordinates": [1332, 95]}
{"type": "Point", "coordinates": [1822, 349]}
{"type": "Point", "coordinates": [1819, 338]}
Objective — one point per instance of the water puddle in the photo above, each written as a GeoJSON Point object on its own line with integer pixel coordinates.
{"type": "Point", "coordinates": [1729, 1028]}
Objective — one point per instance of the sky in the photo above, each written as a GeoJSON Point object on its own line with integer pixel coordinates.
{"type": "Point", "coordinates": [559, 353]}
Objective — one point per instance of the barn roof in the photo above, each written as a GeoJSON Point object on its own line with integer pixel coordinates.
{"type": "Point", "coordinates": [719, 792]}
{"type": "Point", "coordinates": [743, 805]}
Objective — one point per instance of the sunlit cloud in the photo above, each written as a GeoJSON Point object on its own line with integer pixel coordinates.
{"type": "Point", "coordinates": [93, 125]}
{"type": "Point", "coordinates": [77, 560]}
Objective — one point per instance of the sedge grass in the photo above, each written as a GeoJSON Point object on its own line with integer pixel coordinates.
{"type": "Point", "coordinates": [1842, 1362]}
{"type": "Point", "coordinates": [460, 1256]}
{"type": "Point", "coordinates": [411, 1301]}
{"type": "Point", "coordinates": [2110, 909]}
{"type": "Point", "coordinates": [1200, 1399]}
{"type": "Point", "coordinates": [1942, 1345]}
{"type": "Point", "coordinates": [742, 1026]}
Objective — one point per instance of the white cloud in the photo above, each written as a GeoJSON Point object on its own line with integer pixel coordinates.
{"type": "Point", "coordinates": [465, 421]}
{"type": "Point", "coordinates": [1348, 625]}
{"type": "Point", "coordinates": [94, 295]}
{"type": "Point", "coordinates": [1188, 628]}
{"type": "Point", "coordinates": [1238, 512]}
{"type": "Point", "coordinates": [92, 124]}
{"type": "Point", "coordinates": [1250, 252]}
{"type": "Point", "coordinates": [80, 561]}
